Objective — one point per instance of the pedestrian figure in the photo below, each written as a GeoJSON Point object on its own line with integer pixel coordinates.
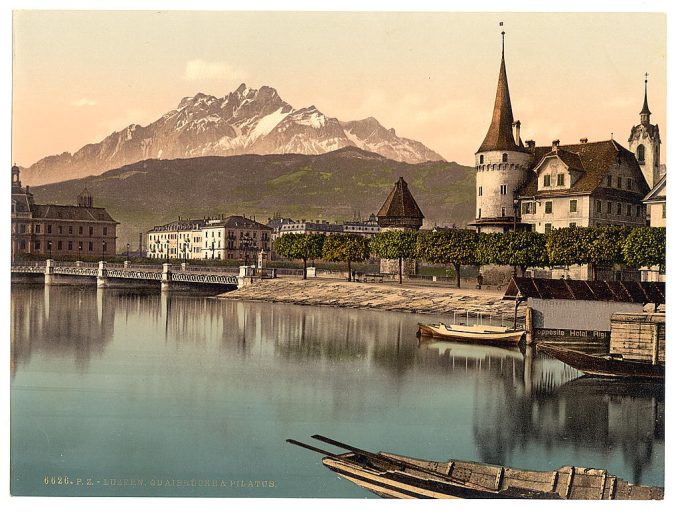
{"type": "Point", "coordinates": [480, 281]}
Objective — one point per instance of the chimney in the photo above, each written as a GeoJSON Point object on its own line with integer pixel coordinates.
{"type": "Point", "coordinates": [584, 140]}
{"type": "Point", "coordinates": [517, 126]}
{"type": "Point", "coordinates": [531, 145]}
{"type": "Point", "coordinates": [555, 145]}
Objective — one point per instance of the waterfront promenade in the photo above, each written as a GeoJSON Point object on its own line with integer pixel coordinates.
{"type": "Point", "coordinates": [408, 297]}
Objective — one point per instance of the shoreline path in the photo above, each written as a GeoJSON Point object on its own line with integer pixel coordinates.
{"type": "Point", "coordinates": [390, 296]}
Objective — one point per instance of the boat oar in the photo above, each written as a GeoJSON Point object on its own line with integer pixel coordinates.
{"type": "Point", "coordinates": [337, 457]}
{"type": "Point", "coordinates": [379, 457]}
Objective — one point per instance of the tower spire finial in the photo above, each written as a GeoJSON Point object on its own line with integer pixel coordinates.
{"type": "Point", "coordinates": [502, 42]}
{"type": "Point", "coordinates": [645, 113]}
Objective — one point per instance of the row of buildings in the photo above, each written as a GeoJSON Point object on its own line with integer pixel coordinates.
{"type": "Point", "coordinates": [240, 238]}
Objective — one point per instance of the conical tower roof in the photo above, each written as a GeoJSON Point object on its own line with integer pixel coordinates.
{"type": "Point", "coordinates": [499, 136]}
{"type": "Point", "coordinates": [400, 209]}
{"type": "Point", "coordinates": [645, 107]}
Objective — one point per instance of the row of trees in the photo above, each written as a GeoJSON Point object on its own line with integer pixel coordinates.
{"type": "Point", "coordinates": [597, 246]}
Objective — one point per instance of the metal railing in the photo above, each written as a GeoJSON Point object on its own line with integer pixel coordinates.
{"type": "Point", "coordinates": [467, 317]}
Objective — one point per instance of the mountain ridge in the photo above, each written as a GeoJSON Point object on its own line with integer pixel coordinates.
{"type": "Point", "coordinates": [334, 185]}
{"type": "Point", "coordinates": [244, 121]}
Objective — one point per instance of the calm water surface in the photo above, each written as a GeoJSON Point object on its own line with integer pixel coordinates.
{"type": "Point", "coordinates": [112, 386]}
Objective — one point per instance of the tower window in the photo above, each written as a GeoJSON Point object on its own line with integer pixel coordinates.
{"type": "Point", "coordinates": [619, 182]}
{"type": "Point", "coordinates": [629, 183]}
{"type": "Point", "coordinates": [480, 191]}
{"type": "Point", "coordinates": [641, 154]}
{"type": "Point", "coordinates": [481, 160]}
{"type": "Point", "coordinates": [609, 208]}
{"type": "Point", "coordinates": [502, 211]}
{"type": "Point", "coordinates": [618, 208]}
{"type": "Point", "coordinates": [598, 206]}
{"type": "Point", "coordinates": [504, 189]}
{"type": "Point", "coordinates": [479, 213]}
{"type": "Point", "coordinates": [629, 210]}
{"type": "Point", "coordinates": [505, 158]}
{"type": "Point", "coordinates": [609, 181]}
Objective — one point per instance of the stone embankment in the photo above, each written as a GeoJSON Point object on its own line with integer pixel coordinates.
{"type": "Point", "coordinates": [413, 298]}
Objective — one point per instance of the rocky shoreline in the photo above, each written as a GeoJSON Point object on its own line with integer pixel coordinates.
{"type": "Point", "coordinates": [410, 298]}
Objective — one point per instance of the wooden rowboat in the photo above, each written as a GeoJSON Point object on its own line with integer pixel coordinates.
{"type": "Point", "coordinates": [605, 365]}
{"type": "Point", "coordinates": [393, 476]}
{"type": "Point", "coordinates": [478, 333]}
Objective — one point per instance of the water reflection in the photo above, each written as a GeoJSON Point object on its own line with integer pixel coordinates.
{"type": "Point", "coordinates": [241, 377]}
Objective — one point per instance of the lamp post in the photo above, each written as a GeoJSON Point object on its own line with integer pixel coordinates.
{"type": "Point", "coordinates": [515, 206]}
{"type": "Point", "coordinates": [49, 249]}
{"type": "Point", "coordinates": [103, 247]}
{"type": "Point", "coordinates": [127, 256]}
{"type": "Point", "coordinates": [80, 248]}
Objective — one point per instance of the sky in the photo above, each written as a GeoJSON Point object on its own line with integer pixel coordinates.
{"type": "Point", "coordinates": [78, 76]}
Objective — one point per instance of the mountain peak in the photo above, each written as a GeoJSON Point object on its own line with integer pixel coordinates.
{"type": "Point", "coordinates": [244, 121]}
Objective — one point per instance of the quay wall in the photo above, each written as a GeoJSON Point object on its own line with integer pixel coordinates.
{"type": "Point", "coordinates": [389, 296]}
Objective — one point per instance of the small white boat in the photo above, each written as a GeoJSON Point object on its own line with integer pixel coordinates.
{"type": "Point", "coordinates": [473, 333]}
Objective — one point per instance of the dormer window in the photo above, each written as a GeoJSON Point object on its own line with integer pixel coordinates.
{"type": "Point", "coordinates": [505, 158]}
{"type": "Point", "coordinates": [546, 181]}
{"type": "Point", "coordinates": [481, 160]}
{"type": "Point", "coordinates": [560, 179]}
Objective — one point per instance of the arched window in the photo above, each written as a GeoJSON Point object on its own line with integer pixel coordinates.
{"type": "Point", "coordinates": [505, 158]}
{"type": "Point", "coordinates": [641, 153]}
{"type": "Point", "coordinates": [481, 160]}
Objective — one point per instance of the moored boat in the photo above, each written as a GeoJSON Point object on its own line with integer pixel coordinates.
{"type": "Point", "coordinates": [394, 476]}
{"type": "Point", "coordinates": [498, 335]}
{"type": "Point", "coordinates": [605, 365]}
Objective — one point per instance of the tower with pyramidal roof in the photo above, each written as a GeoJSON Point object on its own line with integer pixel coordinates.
{"type": "Point", "coordinates": [399, 212]}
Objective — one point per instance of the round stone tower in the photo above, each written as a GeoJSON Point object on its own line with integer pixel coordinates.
{"type": "Point", "coordinates": [501, 163]}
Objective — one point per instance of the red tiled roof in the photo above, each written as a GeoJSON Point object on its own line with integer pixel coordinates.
{"type": "Point", "coordinates": [400, 203]}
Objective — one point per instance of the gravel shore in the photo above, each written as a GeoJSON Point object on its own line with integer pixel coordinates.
{"type": "Point", "coordinates": [413, 298]}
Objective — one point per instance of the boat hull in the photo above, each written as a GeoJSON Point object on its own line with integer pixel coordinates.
{"type": "Point", "coordinates": [470, 480]}
{"type": "Point", "coordinates": [606, 365]}
{"type": "Point", "coordinates": [468, 334]}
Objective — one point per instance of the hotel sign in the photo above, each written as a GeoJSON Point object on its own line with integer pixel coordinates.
{"type": "Point", "coordinates": [570, 335]}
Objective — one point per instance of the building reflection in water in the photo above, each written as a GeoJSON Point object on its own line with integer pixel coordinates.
{"type": "Point", "coordinates": [520, 402]}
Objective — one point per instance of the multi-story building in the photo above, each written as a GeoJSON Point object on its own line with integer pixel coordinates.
{"type": "Point", "coordinates": [233, 237]}
{"type": "Point", "coordinates": [59, 231]}
{"type": "Point", "coordinates": [521, 187]}
{"type": "Point", "coordinates": [367, 228]}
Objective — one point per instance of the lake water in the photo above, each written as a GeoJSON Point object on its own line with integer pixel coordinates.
{"type": "Point", "coordinates": [143, 394]}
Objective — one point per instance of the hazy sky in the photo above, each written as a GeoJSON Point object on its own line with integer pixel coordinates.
{"type": "Point", "coordinates": [79, 75]}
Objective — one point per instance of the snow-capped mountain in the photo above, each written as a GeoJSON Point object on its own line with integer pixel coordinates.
{"type": "Point", "coordinates": [246, 121]}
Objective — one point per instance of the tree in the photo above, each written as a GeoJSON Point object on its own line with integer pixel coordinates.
{"type": "Point", "coordinates": [645, 247]}
{"type": "Point", "coordinates": [395, 245]}
{"type": "Point", "coordinates": [605, 246]}
{"type": "Point", "coordinates": [596, 246]}
{"type": "Point", "coordinates": [457, 246]}
{"type": "Point", "coordinates": [347, 248]}
{"type": "Point", "coordinates": [568, 246]}
{"type": "Point", "coordinates": [517, 249]}
{"type": "Point", "coordinates": [300, 246]}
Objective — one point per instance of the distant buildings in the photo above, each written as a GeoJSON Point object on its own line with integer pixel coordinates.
{"type": "Point", "coordinates": [655, 201]}
{"type": "Point", "coordinates": [525, 187]}
{"type": "Point", "coordinates": [233, 237]}
{"type": "Point", "coordinates": [365, 228]}
{"type": "Point", "coordinates": [59, 231]}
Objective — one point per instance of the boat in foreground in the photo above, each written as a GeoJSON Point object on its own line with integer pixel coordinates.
{"type": "Point", "coordinates": [478, 333]}
{"type": "Point", "coordinates": [393, 476]}
{"type": "Point", "coordinates": [605, 365]}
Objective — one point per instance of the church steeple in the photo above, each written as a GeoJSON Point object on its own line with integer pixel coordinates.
{"type": "Point", "coordinates": [645, 113]}
{"type": "Point", "coordinates": [500, 136]}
